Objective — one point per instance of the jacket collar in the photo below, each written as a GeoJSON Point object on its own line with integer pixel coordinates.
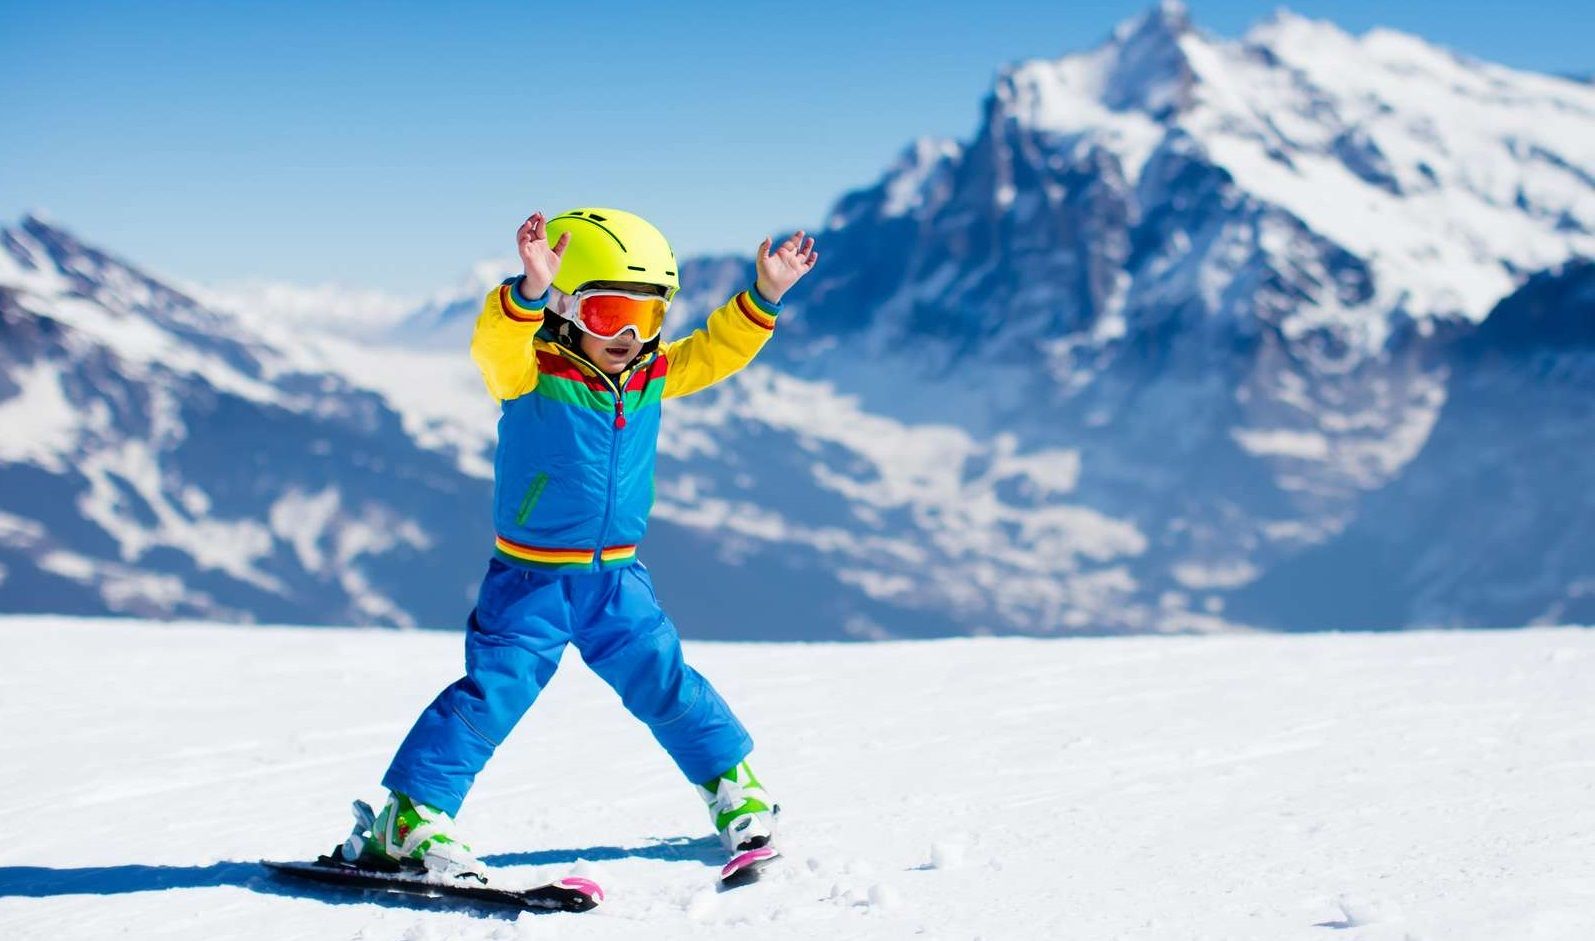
{"type": "Point", "coordinates": [583, 363]}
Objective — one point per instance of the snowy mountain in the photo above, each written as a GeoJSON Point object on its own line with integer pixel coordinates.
{"type": "Point", "coordinates": [1248, 788]}
{"type": "Point", "coordinates": [1494, 521]}
{"type": "Point", "coordinates": [1171, 324]}
{"type": "Point", "coordinates": [163, 459]}
{"type": "Point", "coordinates": [1218, 281]}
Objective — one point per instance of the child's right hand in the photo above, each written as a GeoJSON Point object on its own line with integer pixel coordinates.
{"type": "Point", "coordinates": [539, 261]}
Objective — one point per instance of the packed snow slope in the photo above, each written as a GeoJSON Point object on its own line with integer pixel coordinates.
{"type": "Point", "coordinates": [1418, 785]}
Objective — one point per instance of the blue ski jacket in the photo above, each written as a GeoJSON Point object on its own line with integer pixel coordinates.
{"type": "Point", "coordinates": [573, 476]}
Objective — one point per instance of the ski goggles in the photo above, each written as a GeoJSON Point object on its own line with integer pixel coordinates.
{"type": "Point", "coordinates": [606, 313]}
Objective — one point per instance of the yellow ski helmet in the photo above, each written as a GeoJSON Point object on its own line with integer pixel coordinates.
{"type": "Point", "coordinates": [611, 245]}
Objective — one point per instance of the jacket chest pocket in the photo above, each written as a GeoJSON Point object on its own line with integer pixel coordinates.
{"type": "Point", "coordinates": [534, 492]}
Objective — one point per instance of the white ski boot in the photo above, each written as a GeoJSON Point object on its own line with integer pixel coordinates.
{"type": "Point", "coordinates": [410, 835]}
{"type": "Point", "coordinates": [743, 813]}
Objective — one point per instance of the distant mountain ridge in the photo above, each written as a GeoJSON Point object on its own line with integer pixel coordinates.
{"type": "Point", "coordinates": [1180, 327]}
{"type": "Point", "coordinates": [1227, 275]}
{"type": "Point", "coordinates": [161, 459]}
{"type": "Point", "coordinates": [1495, 517]}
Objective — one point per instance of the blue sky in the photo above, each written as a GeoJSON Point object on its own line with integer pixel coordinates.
{"type": "Point", "coordinates": [392, 145]}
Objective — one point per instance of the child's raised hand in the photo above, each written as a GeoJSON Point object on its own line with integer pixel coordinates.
{"type": "Point", "coordinates": [540, 261]}
{"type": "Point", "coordinates": [779, 271]}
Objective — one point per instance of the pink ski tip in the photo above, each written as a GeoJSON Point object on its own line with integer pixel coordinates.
{"type": "Point", "coordinates": [742, 859]}
{"type": "Point", "coordinates": [586, 887]}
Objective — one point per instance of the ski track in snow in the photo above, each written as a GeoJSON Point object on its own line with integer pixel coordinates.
{"type": "Point", "coordinates": [1426, 785]}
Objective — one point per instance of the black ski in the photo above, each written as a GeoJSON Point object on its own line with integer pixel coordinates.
{"type": "Point", "coordinates": [571, 894]}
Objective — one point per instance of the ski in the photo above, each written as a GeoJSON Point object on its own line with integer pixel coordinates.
{"type": "Point", "coordinates": [571, 894]}
{"type": "Point", "coordinates": [745, 867]}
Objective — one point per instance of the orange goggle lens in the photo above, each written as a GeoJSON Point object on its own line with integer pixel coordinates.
{"type": "Point", "coordinates": [606, 315]}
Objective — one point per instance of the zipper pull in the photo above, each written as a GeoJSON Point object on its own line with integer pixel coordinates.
{"type": "Point", "coordinates": [620, 411]}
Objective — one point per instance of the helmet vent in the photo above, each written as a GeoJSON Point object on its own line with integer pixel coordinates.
{"type": "Point", "coordinates": [671, 273]}
{"type": "Point", "coordinates": [635, 268]}
{"type": "Point", "coordinates": [594, 216]}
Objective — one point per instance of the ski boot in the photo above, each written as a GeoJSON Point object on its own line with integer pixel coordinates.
{"type": "Point", "coordinates": [743, 813]}
{"type": "Point", "coordinates": [412, 836]}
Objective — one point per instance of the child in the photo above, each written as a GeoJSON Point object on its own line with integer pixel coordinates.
{"type": "Point", "coordinates": [571, 348]}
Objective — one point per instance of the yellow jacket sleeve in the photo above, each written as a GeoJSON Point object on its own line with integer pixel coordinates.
{"type": "Point", "coordinates": [735, 333]}
{"type": "Point", "coordinates": [501, 344]}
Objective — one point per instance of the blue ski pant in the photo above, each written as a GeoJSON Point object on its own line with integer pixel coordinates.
{"type": "Point", "coordinates": [514, 639]}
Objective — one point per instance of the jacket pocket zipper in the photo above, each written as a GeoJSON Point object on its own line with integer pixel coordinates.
{"type": "Point", "coordinates": [533, 492]}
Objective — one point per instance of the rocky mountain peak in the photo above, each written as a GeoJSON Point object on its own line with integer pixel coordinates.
{"type": "Point", "coordinates": [1149, 70]}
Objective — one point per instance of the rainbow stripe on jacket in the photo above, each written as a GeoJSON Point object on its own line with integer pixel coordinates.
{"type": "Point", "coordinates": [573, 474]}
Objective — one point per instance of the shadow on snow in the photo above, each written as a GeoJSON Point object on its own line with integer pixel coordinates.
{"type": "Point", "coordinates": [47, 882]}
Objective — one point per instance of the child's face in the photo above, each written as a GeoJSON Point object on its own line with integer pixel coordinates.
{"type": "Point", "coordinates": [611, 355]}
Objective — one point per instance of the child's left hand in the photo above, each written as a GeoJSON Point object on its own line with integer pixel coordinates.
{"type": "Point", "coordinates": [779, 271]}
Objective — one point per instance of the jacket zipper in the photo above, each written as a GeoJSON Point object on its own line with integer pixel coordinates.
{"type": "Point", "coordinates": [614, 487]}
{"type": "Point", "coordinates": [614, 454]}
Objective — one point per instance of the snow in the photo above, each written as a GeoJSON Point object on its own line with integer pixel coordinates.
{"type": "Point", "coordinates": [19, 531]}
{"type": "Point", "coordinates": [1460, 168]}
{"type": "Point", "coordinates": [303, 519]}
{"type": "Point", "coordinates": [337, 309]}
{"type": "Point", "coordinates": [906, 185]}
{"type": "Point", "coordinates": [41, 426]}
{"type": "Point", "coordinates": [1064, 97]}
{"type": "Point", "coordinates": [124, 588]}
{"type": "Point", "coordinates": [140, 342]}
{"type": "Point", "coordinates": [1448, 176]}
{"type": "Point", "coordinates": [1231, 574]}
{"type": "Point", "coordinates": [129, 469]}
{"type": "Point", "coordinates": [1283, 442]}
{"type": "Point", "coordinates": [1425, 785]}
{"type": "Point", "coordinates": [988, 530]}
{"type": "Point", "coordinates": [437, 392]}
